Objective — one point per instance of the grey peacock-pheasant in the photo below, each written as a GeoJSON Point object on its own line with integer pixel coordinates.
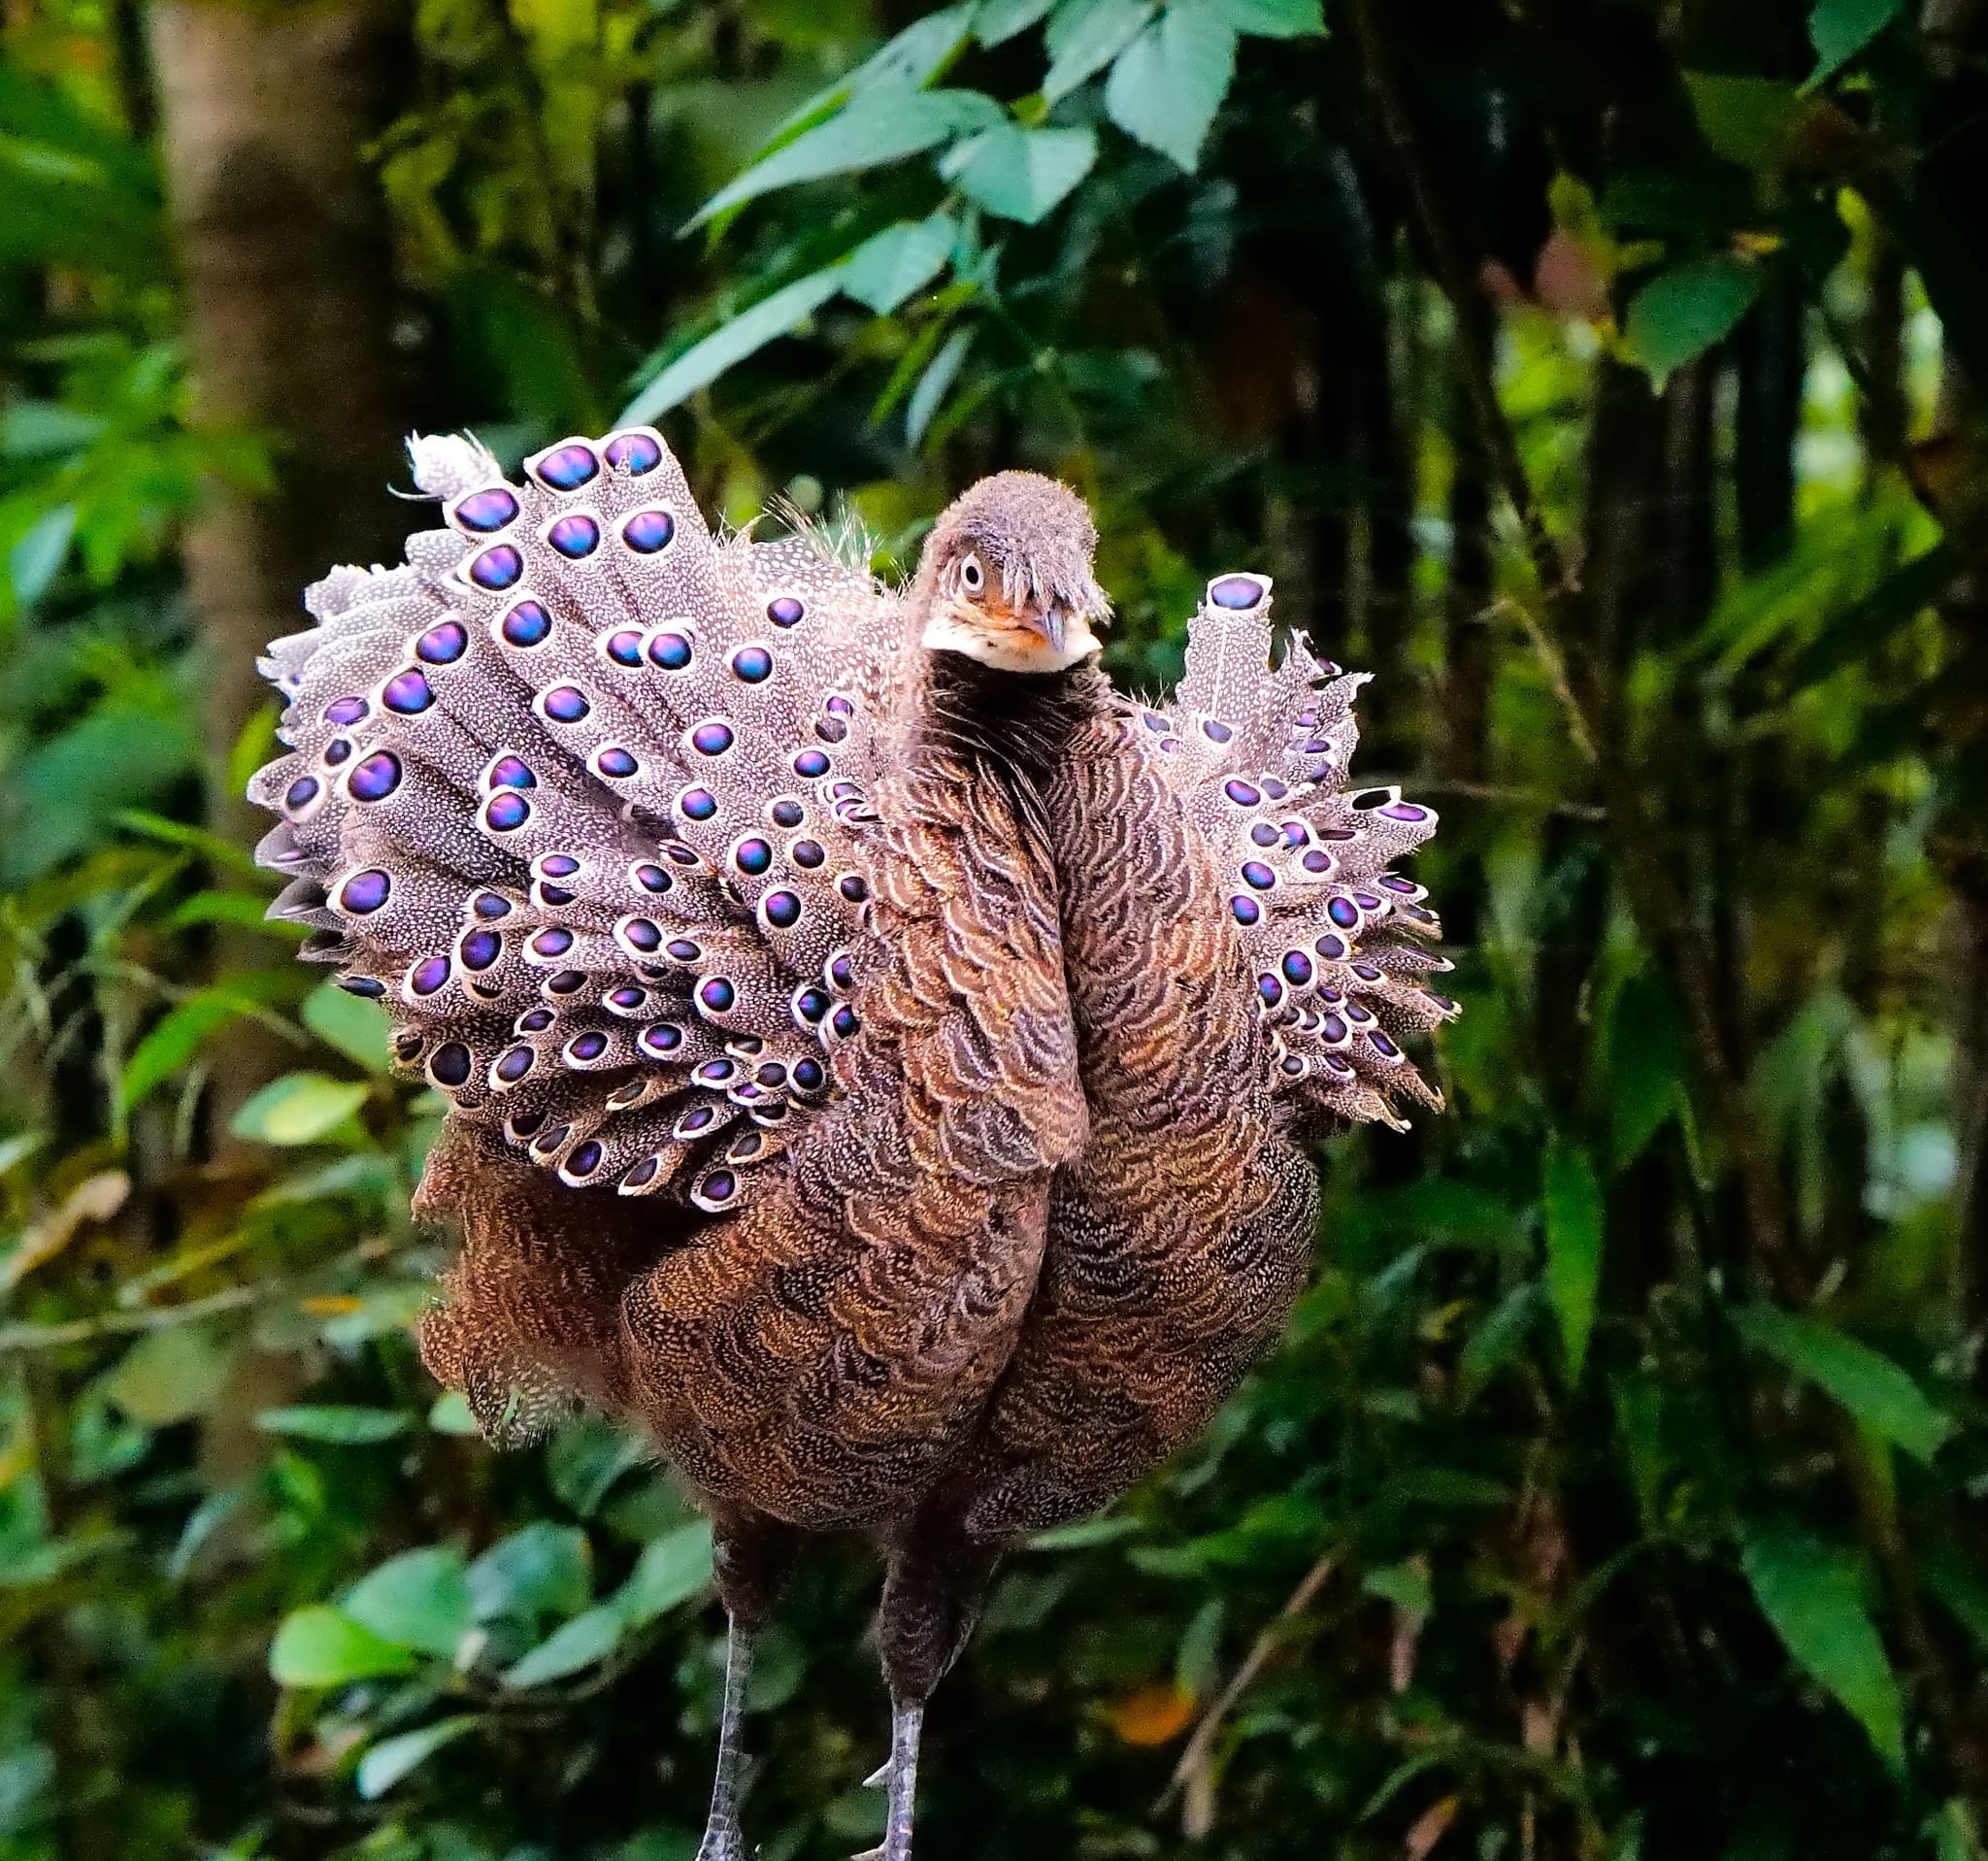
{"type": "Point", "coordinates": [880, 1054]}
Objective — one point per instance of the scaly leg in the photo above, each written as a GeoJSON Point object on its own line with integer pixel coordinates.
{"type": "Point", "coordinates": [901, 1774]}
{"type": "Point", "coordinates": [722, 1841]}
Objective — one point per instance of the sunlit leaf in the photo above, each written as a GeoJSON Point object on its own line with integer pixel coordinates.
{"type": "Point", "coordinates": [1405, 1584]}
{"type": "Point", "coordinates": [575, 1644]}
{"type": "Point", "coordinates": [418, 1600]}
{"type": "Point", "coordinates": [357, 1027]}
{"type": "Point", "coordinates": [37, 557]}
{"type": "Point", "coordinates": [671, 1569]}
{"type": "Point", "coordinates": [934, 382]}
{"type": "Point", "coordinates": [171, 1042]}
{"type": "Point", "coordinates": [299, 1108]}
{"type": "Point", "coordinates": [1152, 1715]}
{"type": "Point", "coordinates": [1275, 19]}
{"type": "Point", "coordinates": [1021, 174]}
{"type": "Point", "coordinates": [1571, 1200]}
{"type": "Point", "coordinates": [1166, 87]}
{"type": "Point", "coordinates": [171, 1376]}
{"type": "Point", "coordinates": [543, 1570]}
{"type": "Point", "coordinates": [391, 1759]}
{"type": "Point", "coordinates": [999, 20]}
{"type": "Point", "coordinates": [1812, 1595]}
{"type": "Point", "coordinates": [1867, 1383]}
{"type": "Point", "coordinates": [732, 342]}
{"type": "Point", "coordinates": [322, 1647]}
{"type": "Point", "coordinates": [898, 262]}
{"type": "Point", "coordinates": [1685, 311]}
{"type": "Point", "coordinates": [1084, 36]}
{"type": "Point", "coordinates": [337, 1424]}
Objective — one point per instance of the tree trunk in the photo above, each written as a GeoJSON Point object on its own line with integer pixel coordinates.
{"type": "Point", "coordinates": [264, 117]}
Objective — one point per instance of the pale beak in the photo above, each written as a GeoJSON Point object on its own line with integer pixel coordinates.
{"type": "Point", "coordinates": [1052, 622]}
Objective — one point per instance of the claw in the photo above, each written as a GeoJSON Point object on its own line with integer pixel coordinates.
{"type": "Point", "coordinates": [875, 1780]}
{"type": "Point", "coordinates": [722, 1844]}
{"type": "Point", "coordinates": [881, 1853]}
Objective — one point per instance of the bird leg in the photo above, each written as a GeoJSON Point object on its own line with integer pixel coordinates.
{"type": "Point", "coordinates": [901, 1774]}
{"type": "Point", "coordinates": [722, 1841]}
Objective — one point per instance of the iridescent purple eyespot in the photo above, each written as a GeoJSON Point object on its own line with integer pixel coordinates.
{"type": "Point", "coordinates": [652, 878]}
{"type": "Point", "coordinates": [752, 856]}
{"type": "Point", "coordinates": [1244, 794]}
{"type": "Point", "coordinates": [773, 1075]}
{"type": "Point", "coordinates": [554, 895]}
{"type": "Point", "coordinates": [372, 988]}
{"type": "Point", "coordinates": [507, 812]}
{"type": "Point", "coordinates": [526, 625]}
{"type": "Point", "coordinates": [811, 1005]}
{"type": "Point", "coordinates": [1245, 910]}
{"type": "Point", "coordinates": [490, 906]}
{"type": "Point", "coordinates": [511, 771]}
{"type": "Point", "coordinates": [853, 886]}
{"type": "Point", "coordinates": [717, 995]}
{"type": "Point", "coordinates": [625, 1001]}
{"type": "Point", "coordinates": [634, 452]}
{"type": "Point", "coordinates": [344, 710]}
{"type": "Point", "coordinates": [1216, 731]}
{"type": "Point", "coordinates": [584, 1160]}
{"type": "Point", "coordinates": [567, 981]}
{"type": "Point", "coordinates": [1297, 968]}
{"type": "Point", "coordinates": [1255, 873]}
{"type": "Point", "coordinates": [616, 763]}
{"type": "Point", "coordinates": [1317, 860]}
{"type": "Point", "coordinates": [812, 764]}
{"type": "Point", "coordinates": [842, 972]}
{"type": "Point", "coordinates": [720, 1185]}
{"type": "Point", "coordinates": [566, 703]}
{"type": "Point", "coordinates": [670, 650]}
{"type": "Point", "coordinates": [481, 949]}
{"type": "Point", "coordinates": [1273, 789]}
{"type": "Point", "coordinates": [787, 812]}
{"type": "Point", "coordinates": [845, 1023]}
{"type": "Point", "coordinates": [785, 610]}
{"type": "Point", "coordinates": [576, 536]}
{"type": "Point", "coordinates": [698, 803]}
{"type": "Point", "coordinates": [554, 942]}
{"type": "Point", "coordinates": [1264, 834]}
{"type": "Point", "coordinates": [809, 1075]}
{"type": "Point", "coordinates": [1395, 882]}
{"type": "Point", "coordinates": [585, 1048]}
{"type": "Point", "coordinates": [642, 933]}
{"type": "Point", "coordinates": [301, 793]}
{"type": "Point", "coordinates": [1382, 1045]}
{"type": "Point", "coordinates": [450, 1065]}
{"type": "Point", "coordinates": [663, 1038]}
{"type": "Point", "coordinates": [1236, 592]}
{"type": "Point", "coordinates": [443, 646]}
{"type": "Point", "coordinates": [485, 511]}
{"type": "Point", "coordinates": [644, 1174]}
{"type": "Point", "coordinates": [648, 531]}
{"type": "Point", "coordinates": [782, 910]}
{"type": "Point", "coordinates": [514, 1065]}
{"type": "Point", "coordinates": [365, 891]}
{"type": "Point", "coordinates": [1269, 990]}
{"type": "Point", "coordinates": [568, 468]}
{"type": "Point", "coordinates": [497, 568]}
{"type": "Point", "coordinates": [558, 866]}
{"type": "Point", "coordinates": [429, 975]}
{"type": "Point", "coordinates": [808, 854]}
{"type": "Point", "coordinates": [1343, 913]}
{"type": "Point", "coordinates": [712, 738]}
{"type": "Point", "coordinates": [714, 1073]}
{"type": "Point", "coordinates": [1405, 811]}
{"type": "Point", "coordinates": [1367, 971]}
{"type": "Point", "coordinates": [546, 1143]}
{"type": "Point", "coordinates": [623, 647]}
{"type": "Point", "coordinates": [535, 1020]}
{"type": "Point", "coordinates": [1334, 1030]}
{"type": "Point", "coordinates": [374, 778]}
{"type": "Point", "coordinates": [406, 693]}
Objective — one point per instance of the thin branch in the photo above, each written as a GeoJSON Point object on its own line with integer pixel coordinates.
{"type": "Point", "coordinates": [1194, 1774]}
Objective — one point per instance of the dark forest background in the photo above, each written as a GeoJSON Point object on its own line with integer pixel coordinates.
{"type": "Point", "coordinates": [1603, 375]}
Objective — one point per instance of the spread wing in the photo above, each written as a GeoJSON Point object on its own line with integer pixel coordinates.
{"type": "Point", "coordinates": [1335, 939]}
{"type": "Point", "coordinates": [578, 793]}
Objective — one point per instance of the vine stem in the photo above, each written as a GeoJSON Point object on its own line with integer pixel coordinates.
{"type": "Point", "coordinates": [1554, 627]}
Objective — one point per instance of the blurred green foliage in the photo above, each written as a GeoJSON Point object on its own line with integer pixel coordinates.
{"type": "Point", "coordinates": [1597, 372]}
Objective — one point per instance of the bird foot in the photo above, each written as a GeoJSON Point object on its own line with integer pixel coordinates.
{"type": "Point", "coordinates": [722, 1842]}
{"type": "Point", "coordinates": [886, 1850]}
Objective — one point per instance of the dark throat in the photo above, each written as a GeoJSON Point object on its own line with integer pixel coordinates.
{"type": "Point", "coordinates": [1012, 724]}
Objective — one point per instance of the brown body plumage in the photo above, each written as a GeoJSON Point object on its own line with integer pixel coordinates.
{"type": "Point", "coordinates": [1053, 1202]}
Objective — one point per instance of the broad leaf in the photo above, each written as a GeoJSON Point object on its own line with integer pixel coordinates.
{"type": "Point", "coordinates": [898, 262]}
{"type": "Point", "coordinates": [1021, 174]}
{"type": "Point", "coordinates": [1167, 86]}
{"type": "Point", "coordinates": [38, 555]}
{"type": "Point", "coordinates": [420, 1600]}
{"type": "Point", "coordinates": [876, 127]}
{"type": "Point", "coordinates": [1812, 1595]}
{"type": "Point", "coordinates": [335, 1424]}
{"type": "Point", "coordinates": [298, 1108]}
{"type": "Point", "coordinates": [171, 1041]}
{"type": "Point", "coordinates": [391, 1759]}
{"type": "Point", "coordinates": [1840, 29]}
{"type": "Point", "coordinates": [671, 1569]}
{"type": "Point", "coordinates": [1084, 36]}
{"type": "Point", "coordinates": [934, 382]}
{"type": "Point", "coordinates": [1867, 1383]}
{"type": "Point", "coordinates": [731, 343]}
{"type": "Point", "coordinates": [999, 20]}
{"type": "Point", "coordinates": [1645, 1079]}
{"type": "Point", "coordinates": [1683, 312]}
{"type": "Point", "coordinates": [1275, 19]}
{"type": "Point", "coordinates": [575, 1644]}
{"type": "Point", "coordinates": [1744, 120]}
{"type": "Point", "coordinates": [352, 1024]}
{"type": "Point", "coordinates": [1571, 1202]}
{"type": "Point", "coordinates": [543, 1570]}
{"type": "Point", "coordinates": [323, 1646]}
{"type": "Point", "coordinates": [171, 1375]}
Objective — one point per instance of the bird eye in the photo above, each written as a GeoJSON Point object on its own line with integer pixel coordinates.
{"type": "Point", "coordinates": [971, 577]}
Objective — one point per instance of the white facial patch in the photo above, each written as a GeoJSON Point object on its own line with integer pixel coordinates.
{"type": "Point", "coordinates": [1023, 651]}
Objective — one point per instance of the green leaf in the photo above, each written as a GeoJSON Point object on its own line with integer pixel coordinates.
{"type": "Point", "coordinates": [1498, 1339]}
{"type": "Point", "coordinates": [298, 1108]}
{"type": "Point", "coordinates": [1867, 1383]}
{"type": "Point", "coordinates": [875, 127]}
{"type": "Point", "coordinates": [1571, 1202]}
{"type": "Point", "coordinates": [898, 262]}
{"type": "Point", "coordinates": [357, 1027]}
{"type": "Point", "coordinates": [577, 1643]}
{"type": "Point", "coordinates": [1744, 119]}
{"type": "Point", "coordinates": [933, 383]}
{"type": "Point", "coordinates": [1683, 312]}
{"type": "Point", "coordinates": [171, 1041]}
{"type": "Point", "coordinates": [1646, 1065]}
{"type": "Point", "coordinates": [999, 20]}
{"type": "Point", "coordinates": [1020, 174]}
{"type": "Point", "coordinates": [1275, 19]}
{"type": "Point", "coordinates": [670, 1570]}
{"type": "Point", "coordinates": [418, 1600]}
{"type": "Point", "coordinates": [1197, 1664]}
{"type": "Point", "coordinates": [451, 1414]}
{"type": "Point", "coordinates": [1812, 1594]}
{"type": "Point", "coordinates": [338, 1424]}
{"type": "Point", "coordinates": [391, 1759]}
{"type": "Point", "coordinates": [732, 342]}
{"type": "Point", "coordinates": [1840, 29]}
{"type": "Point", "coordinates": [1405, 1585]}
{"type": "Point", "coordinates": [39, 553]}
{"type": "Point", "coordinates": [1084, 36]}
{"type": "Point", "coordinates": [1167, 86]}
{"type": "Point", "coordinates": [323, 1646]}
{"type": "Point", "coordinates": [543, 1570]}
{"type": "Point", "coordinates": [168, 1377]}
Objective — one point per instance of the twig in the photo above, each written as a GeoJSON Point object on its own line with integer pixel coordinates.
{"type": "Point", "coordinates": [1193, 1772]}
{"type": "Point", "coordinates": [109, 1324]}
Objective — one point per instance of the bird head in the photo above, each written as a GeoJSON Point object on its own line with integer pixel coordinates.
{"type": "Point", "coordinates": [1006, 574]}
